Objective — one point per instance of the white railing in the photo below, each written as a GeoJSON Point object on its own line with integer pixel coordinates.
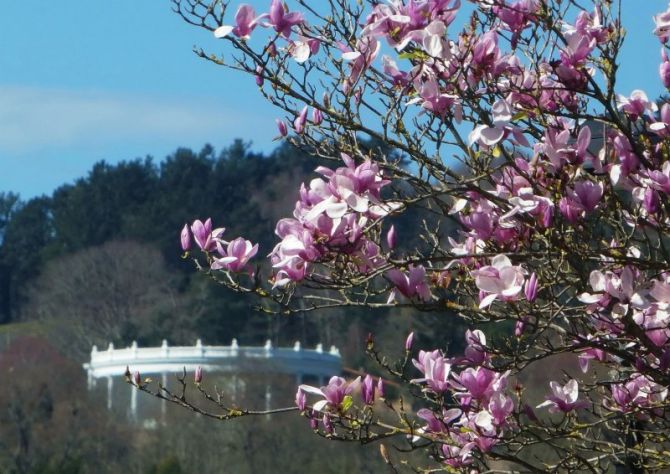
{"type": "Point", "coordinates": [227, 359]}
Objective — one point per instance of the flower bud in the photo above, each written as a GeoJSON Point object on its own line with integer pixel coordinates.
{"type": "Point", "coordinates": [391, 237]}
{"type": "Point", "coordinates": [198, 375]}
{"type": "Point", "coordinates": [300, 399]}
{"type": "Point", "coordinates": [137, 379]}
{"type": "Point", "coordinates": [370, 342]}
{"type": "Point", "coordinates": [326, 100]}
{"type": "Point", "coordinates": [368, 390]}
{"type": "Point", "coordinates": [530, 288]}
{"type": "Point", "coordinates": [185, 239]}
{"type": "Point", "coordinates": [380, 387]}
{"type": "Point", "coordinates": [664, 70]}
{"type": "Point", "coordinates": [409, 341]}
{"type": "Point", "coordinates": [259, 76]}
{"type": "Point", "coordinates": [281, 126]}
{"type": "Point", "coordinates": [327, 424]}
{"type": "Point", "coordinates": [300, 121]}
{"type": "Point", "coordinates": [519, 327]}
{"type": "Point", "coordinates": [271, 49]}
{"type": "Point", "coordinates": [317, 117]}
{"type": "Point", "coordinates": [314, 423]}
{"type": "Point", "coordinates": [651, 201]}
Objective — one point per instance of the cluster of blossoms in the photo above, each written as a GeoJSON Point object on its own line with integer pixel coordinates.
{"type": "Point", "coordinates": [332, 217]}
{"type": "Point", "coordinates": [562, 214]}
{"type": "Point", "coordinates": [231, 255]}
{"type": "Point", "coordinates": [483, 408]}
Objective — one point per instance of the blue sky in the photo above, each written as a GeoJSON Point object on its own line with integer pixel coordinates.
{"type": "Point", "coordinates": [82, 81]}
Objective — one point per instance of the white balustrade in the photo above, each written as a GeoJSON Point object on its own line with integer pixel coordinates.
{"type": "Point", "coordinates": [294, 360]}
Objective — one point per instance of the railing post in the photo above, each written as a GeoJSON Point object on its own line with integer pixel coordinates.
{"type": "Point", "coordinates": [268, 398]}
{"type": "Point", "coordinates": [133, 402]}
{"type": "Point", "coordinates": [110, 389]}
{"type": "Point", "coordinates": [163, 402]}
{"type": "Point", "coordinates": [268, 348]}
{"type": "Point", "coordinates": [234, 348]}
{"type": "Point", "coordinates": [165, 350]}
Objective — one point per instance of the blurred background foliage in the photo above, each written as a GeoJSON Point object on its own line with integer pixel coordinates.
{"type": "Point", "coordinates": [99, 261]}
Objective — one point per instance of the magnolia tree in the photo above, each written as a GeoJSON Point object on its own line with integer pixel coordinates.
{"type": "Point", "coordinates": [545, 193]}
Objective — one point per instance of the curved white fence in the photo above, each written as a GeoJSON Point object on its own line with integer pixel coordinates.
{"type": "Point", "coordinates": [233, 359]}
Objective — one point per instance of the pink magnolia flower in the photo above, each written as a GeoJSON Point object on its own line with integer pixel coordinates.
{"type": "Point", "coordinates": [478, 383]}
{"type": "Point", "coordinates": [500, 280]}
{"type": "Point", "coordinates": [436, 370]}
{"type": "Point", "coordinates": [636, 105]}
{"type": "Point", "coordinates": [582, 200]}
{"type": "Point", "coordinates": [245, 22]}
{"type": "Point", "coordinates": [638, 391]}
{"type": "Point", "coordinates": [303, 48]}
{"type": "Point", "coordinates": [458, 456]}
{"type": "Point", "coordinates": [334, 393]}
{"type": "Point", "coordinates": [501, 116]}
{"type": "Point", "coordinates": [500, 407]}
{"type": "Point", "coordinates": [204, 236]}
{"type": "Point", "coordinates": [517, 15]}
{"type": "Point", "coordinates": [235, 256]}
{"type": "Point", "coordinates": [475, 351]}
{"type": "Point", "coordinates": [558, 146]}
{"type": "Point", "coordinates": [662, 126]}
{"type": "Point", "coordinates": [281, 20]}
{"type": "Point", "coordinates": [592, 353]}
{"type": "Point", "coordinates": [662, 21]}
{"type": "Point", "coordinates": [411, 284]}
{"type": "Point", "coordinates": [564, 398]}
{"type": "Point", "coordinates": [620, 286]}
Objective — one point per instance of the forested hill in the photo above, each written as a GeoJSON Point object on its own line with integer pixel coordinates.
{"type": "Point", "coordinates": [99, 260]}
{"type": "Point", "coordinates": [134, 211]}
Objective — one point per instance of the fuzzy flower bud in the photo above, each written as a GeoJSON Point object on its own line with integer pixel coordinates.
{"type": "Point", "coordinates": [281, 126]}
{"type": "Point", "coordinates": [519, 326]}
{"type": "Point", "coordinates": [197, 377]}
{"type": "Point", "coordinates": [314, 423]}
{"type": "Point", "coordinates": [137, 378]}
{"type": "Point", "coordinates": [380, 387]}
{"type": "Point", "coordinates": [664, 70]}
{"type": "Point", "coordinates": [300, 399]}
{"type": "Point", "coordinates": [368, 390]}
{"type": "Point", "coordinates": [317, 117]}
{"type": "Point", "coordinates": [259, 76]}
{"type": "Point", "coordinates": [327, 424]}
{"type": "Point", "coordinates": [530, 288]}
{"type": "Point", "coordinates": [391, 237]}
{"type": "Point", "coordinates": [185, 238]}
{"type": "Point", "coordinates": [409, 341]}
{"type": "Point", "coordinates": [300, 121]}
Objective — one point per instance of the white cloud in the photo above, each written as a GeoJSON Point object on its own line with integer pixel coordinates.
{"type": "Point", "coordinates": [33, 119]}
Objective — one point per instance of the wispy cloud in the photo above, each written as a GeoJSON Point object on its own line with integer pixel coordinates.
{"type": "Point", "coordinates": [33, 119]}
